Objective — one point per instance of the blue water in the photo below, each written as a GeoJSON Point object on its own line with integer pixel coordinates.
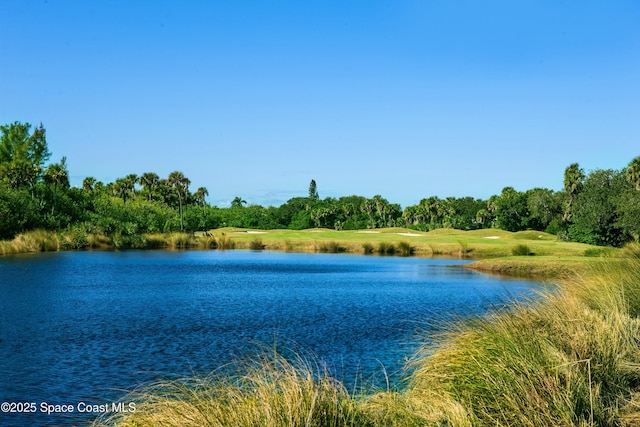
{"type": "Point", "coordinates": [87, 326]}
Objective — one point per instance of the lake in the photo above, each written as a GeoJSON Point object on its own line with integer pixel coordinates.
{"type": "Point", "coordinates": [88, 326]}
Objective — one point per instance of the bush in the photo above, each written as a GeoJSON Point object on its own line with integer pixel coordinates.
{"type": "Point", "coordinates": [405, 249]}
{"type": "Point", "coordinates": [385, 248]}
{"type": "Point", "coordinates": [256, 244]}
{"type": "Point", "coordinates": [224, 242]}
{"type": "Point", "coordinates": [331, 247]}
{"type": "Point", "coordinates": [367, 248]}
{"type": "Point", "coordinates": [521, 250]}
{"type": "Point", "coordinates": [74, 238]}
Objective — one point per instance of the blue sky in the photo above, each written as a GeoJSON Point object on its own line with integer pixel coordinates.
{"type": "Point", "coordinates": [405, 98]}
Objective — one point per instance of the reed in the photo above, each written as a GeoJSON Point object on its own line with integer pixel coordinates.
{"type": "Point", "coordinates": [367, 248]}
{"type": "Point", "coordinates": [289, 246]}
{"type": "Point", "coordinates": [386, 248]}
{"type": "Point", "coordinates": [206, 241]}
{"type": "Point", "coordinates": [521, 250]}
{"type": "Point", "coordinates": [35, 241]}
{"type": "Point", "coordinates": [406, 249]}
{"type": "Point", "coordinates": [156, 241]}
{"type": "Point", "coordinates": [570, 359]}
{"type": "Point", "coordinates": [331, 247]}
{"type": "Point", "coordinates": [268, 391]}
{"type": "Point", "coordinates": [178, 240]}
{"type": "Point", "coordinates": [256, 244]}
{"type": "Point", "coordinates": [464, 248]}
{"type": "Point", "coordinates": [224, 241]}
{"type": "Point", "coordinates": [98, 241]}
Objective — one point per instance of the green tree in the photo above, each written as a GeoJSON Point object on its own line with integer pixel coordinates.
{"type": "Point", "coordinates": [149, 182]}
{"type": "Point", "coordinates": [88, 184]}
{"type": "Point", "coordinates": [123, 188]}
{"type": "Point", "coordinates": [15, 208]}
{"type": "Point", "coordinates": [294, 214]}
{"type": "Point", "coordinates": [57, 175]}
{"type": "Point", "coordinates": [573, 184]}
{"type": "Point", "coordinates": [429, 213]}
{"type": "Point", "coordinates": [130, 182]}
{"type": "Point", "coordinates": [238, 202]}
{"type": "Point", "coordinates": [512, 213]}
{"type": "Point", "coordinates": [628, 202]}
{"type": "Point", "coordinates": [313, 190]}
{"type": "Point", "coordinates": [22, 154]}
{"type": "Point", "coordinates": [369, 207]}
{"type": "Point", "coordinates": [595, 218]}
{"type": "Point", "coordinates": [627, 207]}
{"type": "Point", "coordinates": [180, 185]}
{"type": "Point", "coordinates": [200, 195]}
{"type": "Point", "coordinates": [545, 209]}
{"type": "Point", "coordinates": [632, 173]}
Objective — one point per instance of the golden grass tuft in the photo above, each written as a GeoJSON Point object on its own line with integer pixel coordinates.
{"type": "Point", "coordinates": [566, 360]}
{"type": "Point", "coordinates": [31, 241]}
{"type": "Point", "coordinates": [269, 391]}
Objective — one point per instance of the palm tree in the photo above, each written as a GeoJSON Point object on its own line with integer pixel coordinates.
{"type": "Point", "coordinates": [238, 202]}
{"type": "Point", "coordinates": [57, 174]}
{"type": "Point", "coordinates": [130, 182]}
{"type": "Point", "coordinates": [368, 207]}
{"type": "Point", "coordinates": [180, 185]}
{"type": "Point", "coordinates": [573, 182]}
{"type": "Point", "coordinates": [632, 173]}
{"type": "Point", "coordinates": [149, 181]}
{"type": "Point", "coordinates": [88, 183]}
{"type": "Point", "coordinates": [200, 195]}
{"type": "Point", "coordinates": [120, 189]}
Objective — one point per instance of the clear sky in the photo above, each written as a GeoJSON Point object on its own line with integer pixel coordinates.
{"type": "Point", "coordinates": [403, 98]}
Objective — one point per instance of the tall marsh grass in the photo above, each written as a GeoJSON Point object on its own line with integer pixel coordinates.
{"type": "Point", "coordinates": [256, 244]}
{"type": "Point", "coordinates": [270, 391]}
{"type": "Point", "coordinates": [406, 249]}
{"type": "Point", "coordinates": [331, 247]}
{"type": "Point", "coordinates": [386, 248]}
{"type": "Point", "coordinates": [224, 241]}
{"type": "Point", "coordinates": [31, 241]}
{"type": "Point", "coordinates": [570, 359]}
{"type": "Point", "coordinates": [367, 248]}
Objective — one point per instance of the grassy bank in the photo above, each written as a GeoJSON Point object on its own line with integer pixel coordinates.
{"type": "Point", "coordinates": [50, 241]}
{"type": "Point", "coordinates": [397, 241]}
{"type": "Point", "coordinates": [539, 254]}
{"type": "Point", "coordinates": [445, 242]}
{"type": "Point", "coordinates": [542, 254]}
{"type": "Point", "coordinates": [571, 358]}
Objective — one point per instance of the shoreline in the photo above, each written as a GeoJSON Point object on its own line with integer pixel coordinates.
{"type": "Point", "coordinates": [490, 251]}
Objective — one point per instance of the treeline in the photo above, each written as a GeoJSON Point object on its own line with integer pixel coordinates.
{"type": "Point", "coordinates": [601, 207]}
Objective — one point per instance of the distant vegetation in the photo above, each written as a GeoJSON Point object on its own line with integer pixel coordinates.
{"type": "Point", "coordinates": [601, 207]}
